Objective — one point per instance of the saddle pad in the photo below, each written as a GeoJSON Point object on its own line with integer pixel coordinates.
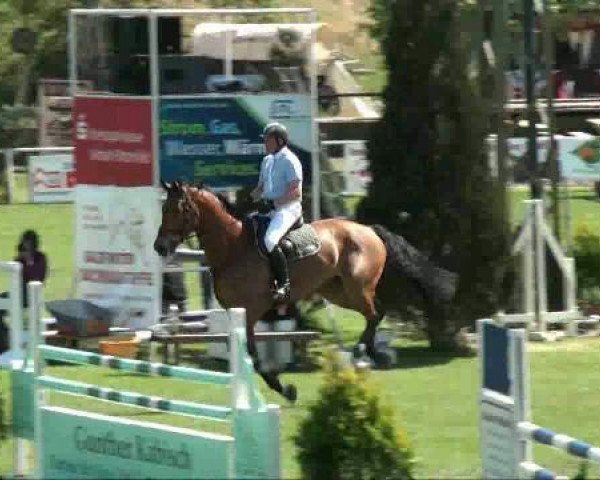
{"type": "Point", "coordinates": [301, 242]}
{"type": "Point", "coordinates": [296, 244]}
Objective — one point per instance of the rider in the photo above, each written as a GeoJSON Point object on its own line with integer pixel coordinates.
{"type": "Point", "coordinates": [280, 187]}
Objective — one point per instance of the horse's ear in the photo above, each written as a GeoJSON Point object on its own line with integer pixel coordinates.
{"type": "Point", "coordinates": [165, 185]}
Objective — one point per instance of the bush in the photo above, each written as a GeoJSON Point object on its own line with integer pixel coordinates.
{"type": "Point", "coordinates": [18, 126]}
{"type": "Point", "coordinates": [587, 260]}
{"type": "Point", "coordinates": [348, 434]}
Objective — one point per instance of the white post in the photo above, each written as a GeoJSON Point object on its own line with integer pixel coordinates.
{"type": "Point", "coordinates": [9, 156]}
{"type": "Point", "coordinates": [228, 48]}
{"type": "Point", "coordinates": [540, 266]}
{"type": "Point", "coordinates": [518, 369]}
{"type": "Point", "coordinates": [569, 294]}
{"type": "Point", "coordinates": [240, 386]}
{"type": "Point", "coordinates": [16, 311]}
{"type": "Point", "coordinates": [37, 328]}
{"type": "Point", "coordinates": [72, 42]}
{"type": "Point", "coordinates": [528, 271]}
{"type": "Point", "coordinates": [154, 69]}
{"type": "Point", "coordinates": [316, 159]}
{"type": "Point", "coordinates": [155, 95]}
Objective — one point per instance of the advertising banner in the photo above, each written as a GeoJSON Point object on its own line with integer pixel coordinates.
{"type": "Point", "coordinates": [80, 445]}
{"type": "Point", "coordinates": [217, 140]}
{"type": "Point", "coordinates": [55, 106]}
{"type": "Point", "coordinates": [113, 141]}
{"type": "Point", "coordinates": [116, 264]}
{"type": "Point", "coordinates": [579, 158]}
{"type": "Point", "coordinates": [51, 178]}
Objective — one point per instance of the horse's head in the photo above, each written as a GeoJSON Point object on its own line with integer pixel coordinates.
{"type": "Point", "coordinates": [179, 219]}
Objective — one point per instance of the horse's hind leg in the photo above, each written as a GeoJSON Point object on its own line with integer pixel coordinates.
{"type": "Point", "coordinates": [362, 299]}
{"type": "Point", "coordinates": [271, 378]}
{"type": "Point", "coordinates": [367, 338]}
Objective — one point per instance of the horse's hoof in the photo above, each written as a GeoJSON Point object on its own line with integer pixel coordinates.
{"type": "Point", "coordinates": [290, 393]}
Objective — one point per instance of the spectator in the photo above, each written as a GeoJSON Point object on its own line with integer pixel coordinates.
{"type": "Point", "coordinates": [35, 265]}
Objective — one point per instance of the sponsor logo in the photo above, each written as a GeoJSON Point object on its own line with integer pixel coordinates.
{"type": "Point", "coordinates": [217, 127]}
{"type": "Point", "coordinates": [81, 128]}
{"type": "Point", "coordinates": [285, 108]}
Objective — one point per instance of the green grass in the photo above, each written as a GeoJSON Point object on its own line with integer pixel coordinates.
{"type": "Point", "coordinates": [578, 204]}
{"type": "Point", "coordinates": [434, 397]}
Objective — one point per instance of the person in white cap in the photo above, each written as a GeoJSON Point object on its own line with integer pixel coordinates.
{"type": "Point", "coordinates": [280, 188]}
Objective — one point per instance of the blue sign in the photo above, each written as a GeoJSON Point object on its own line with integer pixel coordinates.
{"type": "Point", "coordinates": [217, 141]}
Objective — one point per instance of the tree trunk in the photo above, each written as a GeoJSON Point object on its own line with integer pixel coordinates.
{"type": "Point", "coordinates": [444, 334]}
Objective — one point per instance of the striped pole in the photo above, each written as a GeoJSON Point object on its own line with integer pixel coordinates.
{"type": "Point", "coordinates": [535, 472]}
{"type": "Point", "coordinates": [134, 366]}
{"type": "Point", "coordinates": [568, 444]}
{"type": "Point", "coordinates": [136, 399]}
{"type": "Point", "coordinates": [507, 434]}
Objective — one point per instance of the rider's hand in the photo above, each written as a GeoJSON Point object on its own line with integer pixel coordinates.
{"type": "Point", "coordinates": [255, 194]}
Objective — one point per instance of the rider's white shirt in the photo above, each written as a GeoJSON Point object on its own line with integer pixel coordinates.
{"type": "Point", "coordinates": [277, 171]}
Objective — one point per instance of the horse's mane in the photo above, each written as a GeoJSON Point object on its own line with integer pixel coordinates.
{"type": "Point", "coordinates": [230, 207]}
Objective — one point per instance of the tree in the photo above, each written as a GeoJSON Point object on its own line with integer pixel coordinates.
{"type": "Point", "coordinates": [431, 181]}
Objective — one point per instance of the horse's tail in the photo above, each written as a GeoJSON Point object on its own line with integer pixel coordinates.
{"type": "Point", "coordinates": [405, 261]}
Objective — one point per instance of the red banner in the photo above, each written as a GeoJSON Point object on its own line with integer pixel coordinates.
{"type": "Point", "coordinates": [113, 141]}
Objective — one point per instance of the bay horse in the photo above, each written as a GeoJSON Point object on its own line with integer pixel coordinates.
{"type": "Point", "coordinates": [363, 268]}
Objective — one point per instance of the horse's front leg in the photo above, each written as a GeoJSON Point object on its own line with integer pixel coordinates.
{"type": "Point", "coordinates": [289, 391]}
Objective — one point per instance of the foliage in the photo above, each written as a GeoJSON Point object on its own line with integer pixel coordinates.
{"type": "Point", "coordinates": [348, 434]}
{"type": "Point", "coordinates": [431, 180]}
{"type": "Point", "coordinates": [49, 19]}
{"type": "Point", "coordinates": [17, 126]}
{"type": "Point", "coordinates": [586, 252]}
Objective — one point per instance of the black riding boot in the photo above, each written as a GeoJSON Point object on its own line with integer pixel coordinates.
{"type": "Point", "coordinates": [280, 270]}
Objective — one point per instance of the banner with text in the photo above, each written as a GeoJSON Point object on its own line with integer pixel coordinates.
{"type": "Point", "coordinates": [51, 178]}
{"type": "Point", "coordinates": [80, 445]}
{"type": "Point", "coordinates": [113, 141]}
{"type": "Point", "coordinates": [116, 264]}
{"type": "Point", "coordinates": [218, 140]}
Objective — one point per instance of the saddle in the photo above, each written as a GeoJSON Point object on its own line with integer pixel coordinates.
{"type": "Point", "coordinates": [299, 242]}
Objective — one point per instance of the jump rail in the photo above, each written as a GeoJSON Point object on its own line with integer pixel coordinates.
{"type": "Point", "coordinates": [80, 444]}
{"type": "Point", "coordinates": [506, 430]}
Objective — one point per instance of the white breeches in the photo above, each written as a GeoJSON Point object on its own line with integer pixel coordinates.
{"type": "Point", "coordinates": [281, 221]}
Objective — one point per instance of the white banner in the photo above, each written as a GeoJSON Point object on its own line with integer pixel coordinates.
{"type": "Point", "coordinates": [356, 168]}
{"type": "Point", "coordinates": [578, 157]}
{"type": "Point", "coordinates": [51, 178]}
{"type": "Point", "coordinates": [116, 264]}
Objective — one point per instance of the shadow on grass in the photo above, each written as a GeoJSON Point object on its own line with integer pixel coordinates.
{"type": "Point", "coordinates": [411, 357]}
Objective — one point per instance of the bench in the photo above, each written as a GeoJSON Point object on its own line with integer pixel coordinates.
{"type": "Point", "coordinates": [300, 339]}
